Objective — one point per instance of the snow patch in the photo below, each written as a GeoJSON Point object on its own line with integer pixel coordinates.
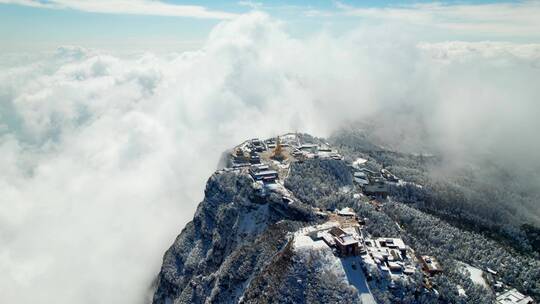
{"type": "Point", "coordinates": [357, 278]}
{"type": "Point", "coordinates": [359, 162]}
{"type": "Point", "coordinates": [321, 257]}
{"type": "Point", "coordinates": [475, 275]}
{"type": "Point", "coordinates": [253, 222]}
{"type": "Point", "coordinates": [345, 189]}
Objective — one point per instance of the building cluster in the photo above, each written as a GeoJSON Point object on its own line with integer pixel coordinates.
{"type": "Point", "coordinates": [263, 173]}
{"type": "Point", "coordinates": [309, 151]}
{"type": "Point", "coordinates": [390, 257]}
{"type": "Point", "coordinates": [342, 233]}
{"type": "Point", "coordinates": [373, 183]}
{"type": "Point", "coordinates": [263, 159]}
{"type": "Point", "coordinates": [248, 153]}
{"type": "Point", "coordinates": [505, 294]}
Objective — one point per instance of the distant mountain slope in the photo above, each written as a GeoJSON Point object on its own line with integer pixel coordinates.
{"type": "Point", "coordinates": [477, 194]}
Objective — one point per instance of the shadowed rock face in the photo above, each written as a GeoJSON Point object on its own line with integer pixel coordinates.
{"type": "Point", "coordinates": [237, 249]}
{"type": "Point", "coordinates": [232, 237]}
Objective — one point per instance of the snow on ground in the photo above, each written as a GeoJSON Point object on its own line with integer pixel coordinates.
{"type": "Point", "coordinates": [404, 183]}
{"type": "Point", "coordinates": [357, 279]}
{"type": "Point", "coordinates": [476, 275]}
{"type": "Point", "coordinates": [359, 162]}
{"type": "Point", "coordinates": [304, 242]}
{"type": "Point", "coordinates": [277, 187]}
{"type": "Point", "coordinates": [318, 253]}
{"type": "Point", "coordinates": [345, 189]}
{"type": "Point", "coordinates": [253, 222]}
{"type": "Point", "coordinates": [461, 291]}
{"type": "Point", "coordinates": [327, 261]}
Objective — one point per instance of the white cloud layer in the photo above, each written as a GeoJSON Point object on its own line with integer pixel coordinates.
{"type": "Point", "coordinates": [132, 7]}
{"type": "Point", "coordinates": [518, 18]}
{"type": "Point", "coordinates": [103, 159]}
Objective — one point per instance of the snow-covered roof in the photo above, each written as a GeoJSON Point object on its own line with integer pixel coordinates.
{"type": "Point", "coordinates": [358, 162]}
{"type": "Point", "coordinates": [409, 270]}
{"type": "Point", "coordinates": [346, 212]}
{"type": "Point", "coordinates": [359, 174]}
{"type": "Point", "coordinates": [513, 296]}
{"type": "Point", "coordinates": [348, 240]}
{"type": "Point", "coordinates": [328, 238]}
{"type": "Point", "coordinates": [361, 181]}
{"type": "Point", "coordinates": [431, 263]}
{"type": "Point", "coordinates": [392, 243]}
{"type": "Point", "coordinates": [394, 265]}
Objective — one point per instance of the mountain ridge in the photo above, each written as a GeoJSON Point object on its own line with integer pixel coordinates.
{"type": "Point", "coordinates": [240, 246]}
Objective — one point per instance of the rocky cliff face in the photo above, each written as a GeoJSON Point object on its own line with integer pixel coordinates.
{"type": "Point", "coordinates": [233, 237]}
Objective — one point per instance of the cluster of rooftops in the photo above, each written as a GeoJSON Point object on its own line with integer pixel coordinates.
{"type": "Point", "coordinates": [372, 183]}
{"type": "Point", "coordinates": [343, 232]}
{"type": "Point", "coordinates": [266, 160]}
{"type": "Point", "coordinates": [512, 296]}
{"type": "Point", "coordinates": [505, 293]}
{"type": "Point", "coordinates": [260, 172]}
{"type": "Point", "coordinates": [258, 157]}
{"type": "Point", "coordinates": [391, 257]}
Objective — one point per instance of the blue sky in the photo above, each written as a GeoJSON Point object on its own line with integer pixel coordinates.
{"type": "Point", "coordinates": [171, 25]}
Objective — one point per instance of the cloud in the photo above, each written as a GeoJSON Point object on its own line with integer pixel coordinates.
{"type": "Point", "coordinates": [251, 4]}
{"type": "Point", "coordinates": [130, 7]}
{"type": "Point", "coordinates": [493, 19]}
{"type": "Point", "coordinates": [104, 158]}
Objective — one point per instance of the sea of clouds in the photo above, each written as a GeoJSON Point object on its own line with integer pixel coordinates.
{"type": "Point", "coordinates": [103, 158]}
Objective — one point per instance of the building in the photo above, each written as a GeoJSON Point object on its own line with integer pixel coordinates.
{"type": "Point", "coordinates": [430, 265]}
{"type": "Point", "coordinates": [324, 148]}
{"type": "Point", "coordinates": [491, 271]}
{"type": "Point", "coordinates": [346, 243]}
{"type": "Point", "coordinates": [361, 178]}
{"type": "Point", "coordinates": [512, 296]}
{"type": "Point", "coordinates": [389, 176]}
{"type": "Point", "coordinates": [347, 211]}
{"type": "Point", "coordinates": [393, 266]}
{"type": "Point", "coordinates": [254, 158]}
{"type": "Point", "coordinates": [369, 173]}
{"type": "Point", "coordinates": [312, 148]}
{"type": "Point", "coordinates": [377, 187]}
{"type": "Point", "coordinates": [393, 243]}
{"type": "Point", "coordinates": [239, 157]}
{"type": "Point", "coordinates": [263, 173]}
{"type": "Point", "coordinates": [328, 239]}
{"type": "Point", "coordinates": [257, 145]}
{"type": "Point", "coordinates": [388, 249]}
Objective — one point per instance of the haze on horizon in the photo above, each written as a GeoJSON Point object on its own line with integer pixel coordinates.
{"type": "Point", "coordinates": [113, 115]}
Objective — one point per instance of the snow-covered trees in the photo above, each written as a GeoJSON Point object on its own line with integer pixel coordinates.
{"type": "Point", "coordinates": [429, 234]}
{"type": "Point", "coordinates": [316, 179]}
{"type": "Point", "coordinates": [478, 194]}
